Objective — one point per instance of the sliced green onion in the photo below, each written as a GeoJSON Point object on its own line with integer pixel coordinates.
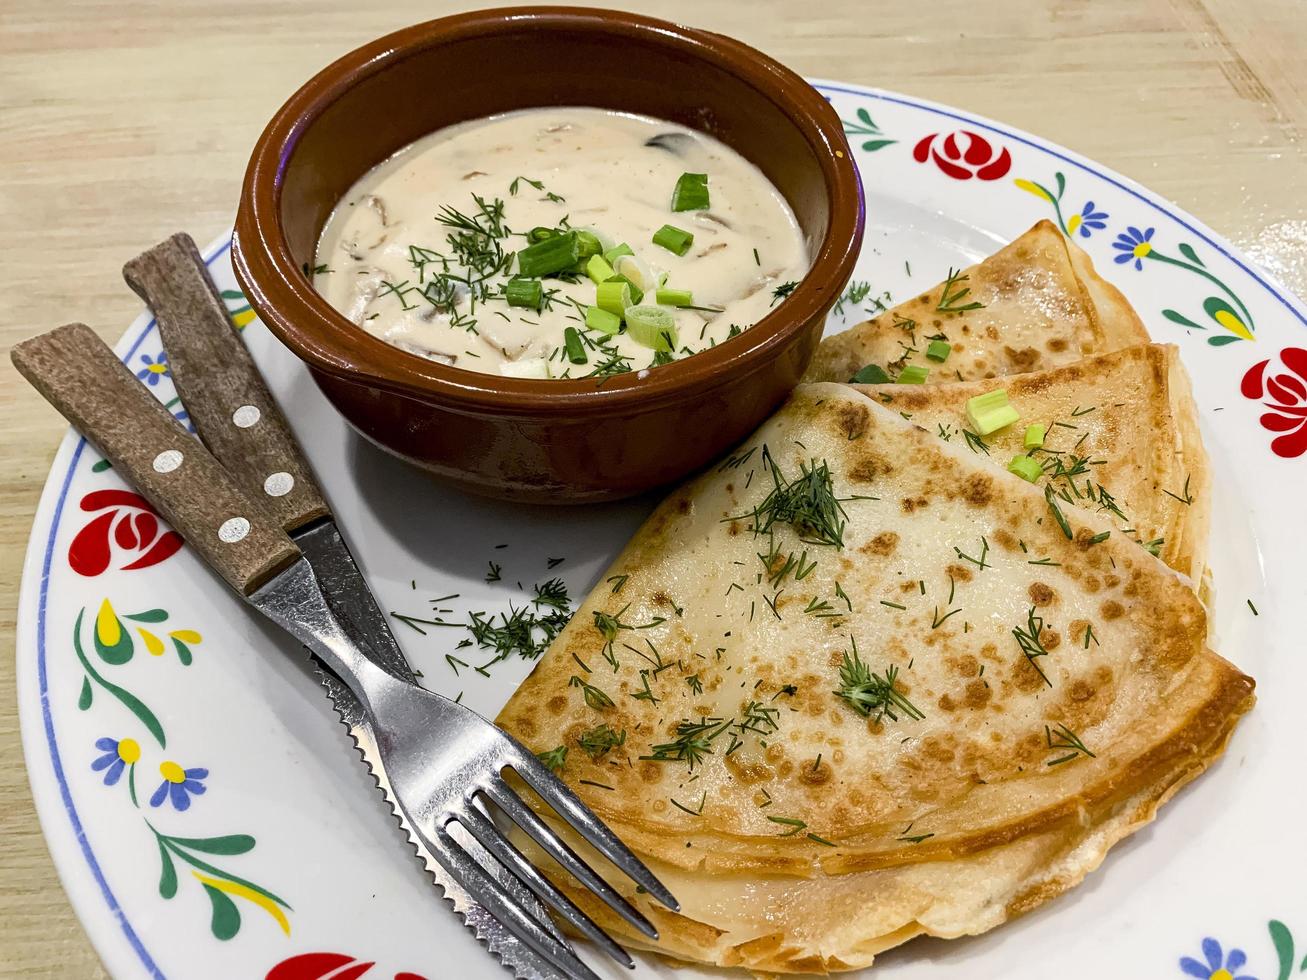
{"type": "Point", "coordinates": [549, 256]}
{"type": "Point", "coordinates": [637, 293]}
{"type": "Point", "coordinates": [602, 320]}
{"type": "Point", "coordinates": [540, 233]}
{"type": "Point", "coordinates": [651, 326]}
{"type": "Point", "coordinates": [524, 292]}
{"type": "Point", "coordinates": [639, 275]}
{"type": "Point", "coordinates": [674, 297]}
{"type": "Point", "coordinates": [990, 412]}
{"type": "Point", "coordinates": [575, 349]}
{"type": "Point", "coordinates": [1025, 467]}
{"type": "Point", "coordinates": [673, 239]}
{"type": "Point", "coordinates": [870, 374]}
{"type": "Point", "coordinates": [613, 296]}
{"type": "Point", "coordinates": [913, 374]}
{"type": "Point", "coordinates": [611, 255]}
{"type": "Point", "coordinates": [938, 350]}
{"type": "Point", "coordinates": [587, 244]}
{"type": "Point", "coordinates": [1035, 436]}
{"type": "Point", "coordinates": [597, 269]}
{"type": "Point", "coordinates": [691, 193]}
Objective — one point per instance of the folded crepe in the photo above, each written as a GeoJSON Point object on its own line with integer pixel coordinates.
{"type": "Point", "coordinates": [1121, 440]}
{"type": "Point", "coordinates": [1036, 304]}
{"type": "Point", "coordinates": [855, 685]}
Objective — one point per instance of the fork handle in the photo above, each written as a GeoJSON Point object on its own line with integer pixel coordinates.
{"type": "Point", "coordinates": [79, 375]}
{"type": "Point", "coordinates": [219, 384]}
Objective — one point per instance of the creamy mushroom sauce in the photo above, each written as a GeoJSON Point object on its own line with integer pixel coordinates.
{"type": "Point", "coordinates": [399, 258]}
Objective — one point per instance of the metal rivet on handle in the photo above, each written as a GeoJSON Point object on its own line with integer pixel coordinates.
{"type": "Point", "coordinates": [246, 416]}
{"type": "Point", "coordinates": [278, 484]}
{"type": "Point", "coordinates": [167, 461]}
{"type": "Point", "coordinates": [233, 529]}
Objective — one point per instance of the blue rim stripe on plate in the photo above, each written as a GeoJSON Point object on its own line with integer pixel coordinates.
{"type": "Point", "coordinates": [975, 121]}
{"type": "Point", "coordinates": [1116, 182]}
{"type": "Point", "coordinates": [42, 681]}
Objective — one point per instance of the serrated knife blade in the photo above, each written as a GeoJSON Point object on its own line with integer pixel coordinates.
{"type": "Point", "coordinates": [354, 605]}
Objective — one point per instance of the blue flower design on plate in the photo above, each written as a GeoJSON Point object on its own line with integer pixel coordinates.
{"type": "Point", "coordinates": [1134, 244]}
{"type": "Point", "coordinates": [1219, 965]}
{"type": "Point", "coordinates": [154, 368]}
{"type": "Point", "coordinates": [118, 755]}
{"type": "Point", "coordinates": [1087, 221]}
{"type": "Point", "coordinates": [179, 785]}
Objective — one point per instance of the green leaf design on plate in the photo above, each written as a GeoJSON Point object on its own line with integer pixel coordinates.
{"type": "Point", "coordinates": [129, 700]}
{"type": "Point", "coordinates": [101, 466]}
{"type": "Point", "coordinates": [865, 116]}
{"type": "Point", "coordinates": [230, 844]}
{"type": "Point", "coordinates": [226, 920]}
{"type": "Point", "coordinates": [872, 146]}
{"type": "Point", "coordinates": [1283, 940]}
{"type": "Point", "coordinates": [1188, 252]}
{"type": "Point", "coordinates": [1181, 319]}
{"type": "Point", "coordinates": [1061, 184]}
{"type": "Point", "coordinates": [1222, 341]}
{"type": "Point", "coordinates": [183, 652]}
{"type": "Point", "coordinates": [149, 616]}
{"type": "Point", "coordinates": [168, 875]}
{"type": "Point", "coordinates": [84, 699]}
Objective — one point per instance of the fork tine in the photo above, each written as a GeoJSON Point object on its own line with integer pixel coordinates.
{"type": "Point", "coordinates": [498, 903]}
{"type": "Point", "coordinates": [569, 806]}
{"type": "Point", "coordinates": [522, 815]}
{"type": "Point", "coordinates": [483, 829]}
{"type": "Point", "coordinates": [516, 890]}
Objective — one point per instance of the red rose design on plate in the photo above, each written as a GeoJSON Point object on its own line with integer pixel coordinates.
{"type": "Point", "coordinates": [963, 155]}
{"type": "Point", "coordinates": [126, 523]}
{"type": "Point", "coordinates": [1285, 395]}
{"type": "Point", "coordinates": [326, 966]}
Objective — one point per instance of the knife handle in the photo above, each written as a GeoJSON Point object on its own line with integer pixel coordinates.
{"type": "Point", "coordinates": [220, 385]}
{"type": "Point", "coordinates": [79, 375]}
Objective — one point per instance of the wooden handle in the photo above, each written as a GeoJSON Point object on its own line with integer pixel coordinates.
{"type": "Point", "coordinates": [220, 385]}
{"type": "Point", "coordinates": [81, 377]}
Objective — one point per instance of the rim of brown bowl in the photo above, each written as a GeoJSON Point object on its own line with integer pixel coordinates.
{"type": "Point", "coordinates": [322, 337]}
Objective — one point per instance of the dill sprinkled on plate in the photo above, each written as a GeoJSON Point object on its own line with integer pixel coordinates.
{"type": "Point", "coordinates": [908, 838]}
{"type": "Point", "coordinates": [807, 503]}
{"type": "Point", "coordinates": [1045, 561]}
{"type": "Point", "coordinates": [591, 782]}
{"type": "Point", "coordinates": [937, 620]}
{"type": "Point", "coordinates": [892, 605]}
{"type": "Point", "coordinates": [1063, 739]}
{"type": "Point", "coordinates": [554, 562]}
{"type": "Point", "coordinates": [1057, 512]}
{"type": "Point", "coordinates": [493, 573]}
{"type": "Point", "coordinates": [1089, 636]}
{"type": "Point", "coordinates": [594, 697]}
{"type": "Point", "coordinates": [552, 593]}
{"type": "Point", "coordinates": [858, 291]}
{"type": "Point", "coordinates": [693, 741]}
{"type": "Point", "coordinates": [695, 684]}
{"type": "Point", "coordinates": [554, 759]}
{"type": "Point", "coordinates": [841, 594]}
{"type": "Point", "coordinates": [1030, 640]}
{"type": "Point", "coordinates": [618, 581]}
{"type": "Point", "coordinates": [954, 293]}
{"type": "Point", "coordinates": [1184, 496]}
{"type": "Point", "coordinates": [600, 740]}
{"type": "Point", "coordinates": [1252, 607]}
{"type": "Point", "coordinates": [697, 812]}
{"type": "Point", "coordinates": [793, 823]}
{"type": "Point", "coordinates": [454, 663]}
{"type": "Point", "coordinates": [782, 291]}
{"type": "Point", "coordinates": [413, 622]}
{"type": "Point", "coordinates": [1078, 411]}
{"type": "Point", "coordinates": [978, 562]}
{"type": "Point", "coordinates": [975, 443]}
{"type": "Point", "coordinates": [872, 695]}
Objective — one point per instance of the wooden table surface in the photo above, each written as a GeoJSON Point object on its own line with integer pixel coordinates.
{"type": "Point", "coordinates": [123, 122]}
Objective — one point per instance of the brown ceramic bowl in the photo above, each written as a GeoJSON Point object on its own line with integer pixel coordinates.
{"type": "Point", "coordinates": [540, 440]}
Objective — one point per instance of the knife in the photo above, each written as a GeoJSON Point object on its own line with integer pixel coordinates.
{"type": "Point", "coordinates": [239, 421]}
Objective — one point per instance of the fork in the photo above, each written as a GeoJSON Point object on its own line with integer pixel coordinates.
{"type": "Point", "coordinates": [443, 760]}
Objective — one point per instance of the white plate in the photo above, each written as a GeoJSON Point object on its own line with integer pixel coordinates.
{"type": "Point", "coordinates": [320, 886]}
